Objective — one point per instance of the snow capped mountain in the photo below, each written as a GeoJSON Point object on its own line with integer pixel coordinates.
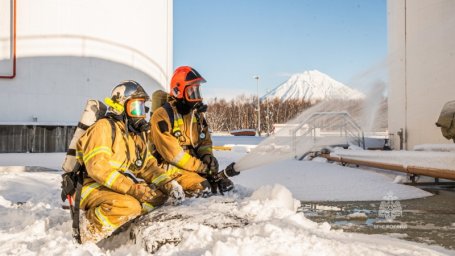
{"type": "Point", "coordinates": [313, 86]}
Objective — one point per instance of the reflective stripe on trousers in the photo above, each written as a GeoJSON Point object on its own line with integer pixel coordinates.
{"type": "Point", "coordinates": [86, 190]}
{"type": "Point", "coordinates": [107, 225]}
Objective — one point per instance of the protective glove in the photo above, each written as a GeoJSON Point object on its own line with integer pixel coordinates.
{"type": "Point", "coordinates": [212, 164]}
{"type": "Point", "coordinates": [175, 192]}
{"type": "Point", "coordinates": [225, 185]}
{"type": "Point", "coordinates": [159, 199]}
{"type": "Point", "coordinates": [203, 169]}
{"type": "Point", "coordinates": [142, 192]}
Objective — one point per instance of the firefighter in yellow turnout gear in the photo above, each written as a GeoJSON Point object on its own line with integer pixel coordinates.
{"type": "Point", "coordinates": [109, 197]}
{"type": "Point", "coordinates": [180, 135]}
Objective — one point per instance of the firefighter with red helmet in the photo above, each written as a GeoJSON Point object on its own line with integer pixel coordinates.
{"type": "Point", "coordinates": [180, 134]}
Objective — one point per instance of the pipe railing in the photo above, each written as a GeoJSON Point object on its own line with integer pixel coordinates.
{"type": "Point", "coordinates": [349, 126]}
{"type": "Point", "coordinates": [410, 169]}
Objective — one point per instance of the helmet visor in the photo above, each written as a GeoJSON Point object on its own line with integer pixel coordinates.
{"type": "Point", "coordinates": [192, 93]}
{"type": "Point", "coordinates": [136, 108]}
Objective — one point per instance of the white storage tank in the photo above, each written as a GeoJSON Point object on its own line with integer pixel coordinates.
{"type": "Point", "coordinates": [422, 68]}
{"type": "Point", "coordinates": [69, 51]}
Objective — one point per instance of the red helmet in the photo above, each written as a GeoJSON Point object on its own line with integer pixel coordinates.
{"type": "Point", "coordinates": [185, 84]}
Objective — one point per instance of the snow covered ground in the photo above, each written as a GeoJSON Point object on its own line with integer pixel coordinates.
{"type": "Point", "coordinates": [317, 180]}
{"type": "Point", "coordinates": [33, 223]}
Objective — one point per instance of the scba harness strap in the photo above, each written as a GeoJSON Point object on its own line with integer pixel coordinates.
{"type": "Point", "coordinates": [176, 120]}
{"type": "Point", "coordinates": [76, 211]}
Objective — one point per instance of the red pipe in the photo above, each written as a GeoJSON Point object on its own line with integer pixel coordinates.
{"type": "Point", "coordinates": [14, 44]}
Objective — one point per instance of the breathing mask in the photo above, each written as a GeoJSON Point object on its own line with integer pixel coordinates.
{"type": "Point", "coordinates": [136, 112]}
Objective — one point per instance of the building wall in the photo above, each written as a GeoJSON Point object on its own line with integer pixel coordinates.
{"type": "Point", "coordinates": [422, 67]}
{"type": "Point", "coordinates": [71, 51]}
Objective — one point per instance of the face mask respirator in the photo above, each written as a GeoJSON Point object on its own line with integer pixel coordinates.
{"type": "Point", "coordinates": [136, 112]}
{"type": "Point", "coordinates": [138, 125]}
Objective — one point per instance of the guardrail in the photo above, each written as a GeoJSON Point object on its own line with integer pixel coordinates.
{"type": "Point", "coordinates": [323, 124]}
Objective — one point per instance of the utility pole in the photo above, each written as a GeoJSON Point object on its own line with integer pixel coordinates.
{"type": "Point", "coordinates": [268, 114]}
{"type": "Point", "coordinates": [259, 106]}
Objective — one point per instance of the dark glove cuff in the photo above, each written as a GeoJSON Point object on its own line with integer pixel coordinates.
{"type": "Point", "coordinates": [203, 156]}
{"type": "Point", "coordinates": [203, 169]}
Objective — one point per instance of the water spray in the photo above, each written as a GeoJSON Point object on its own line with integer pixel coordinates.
{"type": "Point", "coordinates": [312, 130]}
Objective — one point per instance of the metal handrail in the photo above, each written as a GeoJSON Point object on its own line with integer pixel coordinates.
{"type": "Point", "coordinates": [355, 132]}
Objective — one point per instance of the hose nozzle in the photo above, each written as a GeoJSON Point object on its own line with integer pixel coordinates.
{"type": "Point", "coordinates": [229, 171]}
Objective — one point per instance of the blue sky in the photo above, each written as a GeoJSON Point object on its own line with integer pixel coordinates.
{"type": "Point", "coordinates": [230, 41]}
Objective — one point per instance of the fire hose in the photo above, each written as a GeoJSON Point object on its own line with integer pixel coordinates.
{"type": "Point", "coordinates": [221, 179]}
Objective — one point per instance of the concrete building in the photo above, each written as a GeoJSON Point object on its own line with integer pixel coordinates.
{"type": "Point", "coordinates": [55, 55]}
{"type": "Point", "coordinates": [422, 68]}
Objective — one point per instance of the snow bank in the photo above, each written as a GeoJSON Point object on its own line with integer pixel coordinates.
{"type": "Point", "coordinates": [33, 222]}
{"type": "Point", "coordinates": [314, 181]}
{"type": "Point", "coordinates": [262, 223]}
{"type": "Point", "coordinates": [19, 160]}
{"type": "Point", "coordinates": [267, 224]}
{"type": "Point", "coordinates": [277, 195]}
{"type": "Point", "coordinates": [321, 181]}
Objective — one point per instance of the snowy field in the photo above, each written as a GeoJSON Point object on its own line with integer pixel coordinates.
{"type": "Point", "coordinates": [33, 222]}
{"type": "Point", "coordinates": [316, 180]}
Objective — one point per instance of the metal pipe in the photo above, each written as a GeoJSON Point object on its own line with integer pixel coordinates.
{"type": "Point", "coordinates": [432, 172]}
{"type": "Point", "coordinates": [14, 43]}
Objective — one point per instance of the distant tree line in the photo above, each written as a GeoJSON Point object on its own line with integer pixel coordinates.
{"type": "Point", "coordinates": [241, 112]}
